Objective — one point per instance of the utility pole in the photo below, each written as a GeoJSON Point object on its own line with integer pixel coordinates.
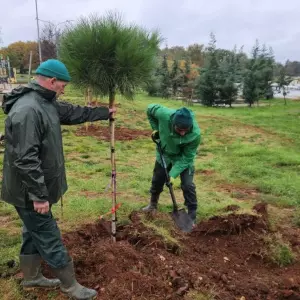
{"type": "Point", "coordinates": [30, 63]}
{"type": "Point", "coordinates": [38, 31]}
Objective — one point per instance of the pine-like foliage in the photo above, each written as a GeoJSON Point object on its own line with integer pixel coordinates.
{"type": "Point", "coordinates": [108, 55]}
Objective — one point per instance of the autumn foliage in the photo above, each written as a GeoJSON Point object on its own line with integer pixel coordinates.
{"type": "Point", "coordinates": [19, 53]}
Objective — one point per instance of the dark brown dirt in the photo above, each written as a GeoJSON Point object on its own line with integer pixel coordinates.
{"type": "Point", "coordinates": [231, 208]}
{"type": "Point", "coordinates": [261, 208]}
{"type": "Point", "coordinates": [121, 133]}
{"type": "Point", "coordinates": [222, 253]}
{"type": "Point", "coordinates": [239, 192]}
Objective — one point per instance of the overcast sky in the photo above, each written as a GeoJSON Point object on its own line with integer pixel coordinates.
{"type": "Point", "coordinates": [181, 22]}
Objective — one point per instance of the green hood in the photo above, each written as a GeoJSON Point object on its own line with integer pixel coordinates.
{"type": "Point", "coordinates": [11, 98]}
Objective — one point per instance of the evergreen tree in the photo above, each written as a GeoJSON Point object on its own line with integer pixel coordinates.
{"type": "Point", "coordinates": [207, 86]}
{"type": "Point", "coordinates": [283, 81]}
{"type": "Point", "coordinates": [253, 76]}
{"type": "Point", "coordinates": [165, 78]}
{"type": "Point", "coordinates": [187, 71]}
{"type": "Point", "coordinates": [177, 77]}
{"type": "Point", "coordinates": [227, 78]}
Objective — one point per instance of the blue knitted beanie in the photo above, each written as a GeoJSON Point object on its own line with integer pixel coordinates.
{"type": "Point", "coordinates": [53, 68]}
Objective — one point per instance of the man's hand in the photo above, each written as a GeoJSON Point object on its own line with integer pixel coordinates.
{"type": "Point", "coordinates": [155, 135]}
{"type": "Point", "coordinates": [41, 207]}
{"type": "Point", "coordinates": [112, 110]}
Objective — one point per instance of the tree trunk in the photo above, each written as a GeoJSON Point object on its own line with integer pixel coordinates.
{"type": "Point", "coordinates": [113, 165]}
{"type": "Point", "coordinates": [284, 99]}
{"type": "Point", "coordinates": [86, 104]}
{"type": "Point", "coordinates": [191, 99]}
{"type": "Point", "coordinates": [88, 100]}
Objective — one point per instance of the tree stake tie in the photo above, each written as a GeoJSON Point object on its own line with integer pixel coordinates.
{"type": "Point", "coordinates": [113, 210]}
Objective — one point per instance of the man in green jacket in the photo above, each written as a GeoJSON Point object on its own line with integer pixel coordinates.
{"type": "Point", "coordinates": [180, 136]}
{"type": "Point", "coordinates": [34, 175]}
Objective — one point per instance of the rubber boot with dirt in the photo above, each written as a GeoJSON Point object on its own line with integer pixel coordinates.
{"type": "Point", "coordinates": [33, 278]}
{"type": "Point", "coordinates": [70, 286]}
{"type": "Point", "coordinates": [192, 213]}
{"type": "Point", "coordinates": [152, 207]}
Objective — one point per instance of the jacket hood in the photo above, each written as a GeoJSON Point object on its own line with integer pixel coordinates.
{"type": "Point", "coordinates": [11, 98]}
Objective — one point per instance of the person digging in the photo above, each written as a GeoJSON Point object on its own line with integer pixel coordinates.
{"type": "Point", "coordinates": [34, 175]}
{"type": "Point", "coordinates": [180, 136]}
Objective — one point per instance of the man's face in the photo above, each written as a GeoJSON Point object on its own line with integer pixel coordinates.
{"type": "Point", "coordinates": [57, 86]}
{"type": "Point", "coordinates": [180, 131]}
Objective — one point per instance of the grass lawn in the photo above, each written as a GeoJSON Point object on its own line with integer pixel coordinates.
{"type": "Point", "coordinates": [246, 155]}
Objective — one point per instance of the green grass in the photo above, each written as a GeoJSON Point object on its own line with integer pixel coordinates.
{"type": "Point", "coordinates": [279, 251]}
{"type": "Point", "coordinates": [255, 147]}
{"type": "Point", "coordinates": [296, 217]}
{"type": "Point", "coordinates": [10, 289]}
{"type": "Point", "coordinates": [10, 246]}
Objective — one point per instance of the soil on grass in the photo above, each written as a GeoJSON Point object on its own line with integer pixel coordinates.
{"type": "Point", "coordinates": [206, 172]}
{"type": "Point", "coordinates": [239, 192]}
{"type": "Point", "coordinates": [121, 133]}
{"type": "Point", "coordinates": [223, 254]}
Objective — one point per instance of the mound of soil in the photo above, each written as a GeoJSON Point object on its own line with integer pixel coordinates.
{"type": "Point", "coordinates": [221, 254]}
{"type": "Point", "coordinates": [121, 133]}
{"type": "Point", "coordinates": [231, 224]}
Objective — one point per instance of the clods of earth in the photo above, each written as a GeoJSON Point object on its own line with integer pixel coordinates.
{"type": "Point", "coordinates": [224, 257]}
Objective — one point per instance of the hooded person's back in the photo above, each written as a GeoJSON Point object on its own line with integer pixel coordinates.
{"type": "Point", "coordinates": [11, 98]}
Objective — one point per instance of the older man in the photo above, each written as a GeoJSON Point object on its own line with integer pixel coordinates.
{"type": "Point", "coordinates": [34, 175]}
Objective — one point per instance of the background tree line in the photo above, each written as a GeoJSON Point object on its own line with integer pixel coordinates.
{"type": "Point", "coordinates": [19, 52]}
{"type": "Point", "coordinates": [208, 73]}
{"type": "Point", "coordinates": [196, 53]}
{"type": "Point", "coordinates": [216, 75]}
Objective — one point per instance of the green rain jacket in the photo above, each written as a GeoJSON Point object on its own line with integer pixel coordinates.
{"type": "Point", "coordinates": [180, 151]}
{"type": "Point", "coordinates": [33, 165]}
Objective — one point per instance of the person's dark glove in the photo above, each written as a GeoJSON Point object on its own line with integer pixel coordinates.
{"type": "Point", "coordinates": [155, 135]}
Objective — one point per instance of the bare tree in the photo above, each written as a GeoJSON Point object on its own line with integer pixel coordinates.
{"type": "Point", "coordinates": [49, 39]}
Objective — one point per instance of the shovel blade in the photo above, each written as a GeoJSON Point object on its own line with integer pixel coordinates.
{"type": "Point", "coordinates": [182, 220]}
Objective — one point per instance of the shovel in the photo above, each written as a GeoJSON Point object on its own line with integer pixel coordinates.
{"type": "Point", "coordinates": [179, 216]}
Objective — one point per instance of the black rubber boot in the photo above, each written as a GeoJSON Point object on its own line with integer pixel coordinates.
{"type": "Point", "coordinates": [192, 213]}
{"type": "Point", "coordinates": [70, 286]}
{"type": "Point", "coordinates": [33, 278]}
{"type": "Point", "coordinates": [152, 205]}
